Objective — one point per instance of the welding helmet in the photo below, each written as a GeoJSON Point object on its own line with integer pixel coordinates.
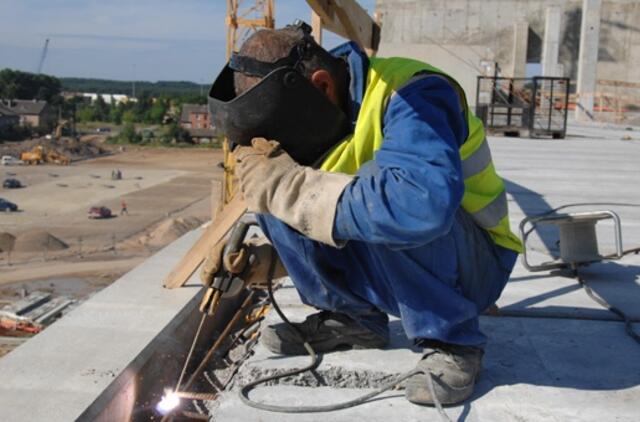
{"type": "Point", "coordinates": [284, 105]}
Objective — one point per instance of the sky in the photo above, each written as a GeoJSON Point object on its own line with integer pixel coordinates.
{"type": "Point", "coordinates": [127, 39]}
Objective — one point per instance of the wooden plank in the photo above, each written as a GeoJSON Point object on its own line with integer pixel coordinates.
{"type": "Point", "coordinates": [316, 25]}
{"type": "Point", "coordinates": [212, 235]}
{"type": "Point", "coordinates": [349, 20]}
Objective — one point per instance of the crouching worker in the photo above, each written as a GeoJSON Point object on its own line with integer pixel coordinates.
{"type": "Point", "coordinates": [375, 184]}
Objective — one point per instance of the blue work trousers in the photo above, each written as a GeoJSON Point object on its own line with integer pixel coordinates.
{"type": "Point", "coordinates": [438, 289]}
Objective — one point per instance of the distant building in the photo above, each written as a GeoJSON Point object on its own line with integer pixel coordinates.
{"type": "Point", "coordinates": [202, 136]}
{"type": "Point", "coordinates": [33, 113]}
{"type": "Point", "coordinates": [195, 119]}
{"type": "Point", "coordinates": [7, 118]}
{"type": "Point", "coordinates": [195, 116]}
{"type": "Point", "coordinates": [109, 98]}
{"type": "Point", "coordinates": [90, 97]}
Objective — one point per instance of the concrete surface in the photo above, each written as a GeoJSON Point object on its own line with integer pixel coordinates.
{"type": "Point", "coordinates": [519, 50]}
{"type": "Point", "coordinates": [60, 373]}
{"type": "Point", "coordinates": [553, 355]}
{"type": "Point", "coordinates": [588, 57]}
{"type": "Point", "coordinates": [551, 42]}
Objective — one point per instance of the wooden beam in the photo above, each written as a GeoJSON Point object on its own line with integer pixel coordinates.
{"type": "Point", "coordinates": [213, 234]}
{"type": "Point", "coordinates": [349, 20]}
{"type": "Point", "coordinates": [316, 25]}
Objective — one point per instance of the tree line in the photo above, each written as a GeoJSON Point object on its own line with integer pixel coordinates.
{"type": "Point", "coordinates": [156, 103]}
{"type": "Point", "coordinates": [154, 89]}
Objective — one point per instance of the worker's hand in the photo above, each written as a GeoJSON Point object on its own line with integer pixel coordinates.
{"type": "Point", "coordinates": [259, 168]}
{"type": "Point", "coordinates": [212, 263]}
{"type": "Point", "coordinates": [304, 198]}
{"type": "Point", "coordinates": [251, 262]}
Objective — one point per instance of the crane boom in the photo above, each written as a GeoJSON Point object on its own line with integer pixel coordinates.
{"type": "Point", "coordinates": [43, 56]}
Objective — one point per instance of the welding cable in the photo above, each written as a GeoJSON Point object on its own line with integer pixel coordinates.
{"type": "Point", "coordinates": [244, 391]}
{"type": "Point", "coordinates": [628, 323]}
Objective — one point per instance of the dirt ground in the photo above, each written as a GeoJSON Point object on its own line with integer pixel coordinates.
{"type": "Point", "coordinates": [166, 191]}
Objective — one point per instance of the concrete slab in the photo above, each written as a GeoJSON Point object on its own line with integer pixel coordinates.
{"type": "Point", "coordinates": [512, 403]}
{"type": "Point", "coordinates": [548, 294]}
{"type": "Point", "coordinates": [535, 369]}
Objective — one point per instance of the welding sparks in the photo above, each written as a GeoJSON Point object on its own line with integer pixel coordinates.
{"type": "Point", "coordinates": [169, 402]}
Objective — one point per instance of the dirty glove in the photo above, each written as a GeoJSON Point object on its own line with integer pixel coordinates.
{"type": "Point", "coordinates": [302, 197]}
{"type": "Point", "coordinates": [255, 252]}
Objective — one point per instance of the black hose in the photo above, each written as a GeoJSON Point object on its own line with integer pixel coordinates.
{"type": "Point", "coordinates": [628, 323]}
{"type": "Point", "coordinates": [244, 391]}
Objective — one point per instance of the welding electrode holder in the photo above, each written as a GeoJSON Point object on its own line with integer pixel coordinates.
{"type": "Point", "coordinates": [225, 283]}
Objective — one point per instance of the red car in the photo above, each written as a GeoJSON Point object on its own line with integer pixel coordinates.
{"type": "Point", "coordinates": [99, 212]}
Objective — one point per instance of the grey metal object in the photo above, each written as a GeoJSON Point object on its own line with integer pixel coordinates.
{"type": "Point", "coordinates": [578, 239]}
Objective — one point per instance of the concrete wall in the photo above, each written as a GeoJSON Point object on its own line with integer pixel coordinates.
{"type": "Point", "coordinates": [426, 29]}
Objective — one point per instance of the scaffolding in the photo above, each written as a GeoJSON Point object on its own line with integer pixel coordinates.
{"type": "Point", "coordinates": [243, 18]}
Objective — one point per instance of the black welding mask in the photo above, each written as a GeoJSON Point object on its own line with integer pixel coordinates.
{"type": "Point", "coordinates": [284, 105]}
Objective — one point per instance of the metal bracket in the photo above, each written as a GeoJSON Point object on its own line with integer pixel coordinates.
{"type": "Point", "coordinates": [578, 233]}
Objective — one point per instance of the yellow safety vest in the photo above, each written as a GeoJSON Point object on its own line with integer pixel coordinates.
{"type": "Point", "coordinates": [484, 195]}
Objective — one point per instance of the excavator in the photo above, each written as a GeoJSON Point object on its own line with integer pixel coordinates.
{"type": "Point", "coordinates": [38, 155]}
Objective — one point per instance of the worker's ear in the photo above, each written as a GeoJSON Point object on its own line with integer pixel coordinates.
{"type": "Point", "coordinates": [322, 80]}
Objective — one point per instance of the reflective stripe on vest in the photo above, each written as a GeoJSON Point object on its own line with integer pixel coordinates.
{"type": "Point", "coordinates": [477, 161]}
{"type": "Point", "coordinates": [484, 196]}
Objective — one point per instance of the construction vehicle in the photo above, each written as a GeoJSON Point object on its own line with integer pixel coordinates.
{"type": "Point", "coordinates": [38, 155]}
{"type": "Point", "coordinates": [60, 127]}
{"type": "Point", "coordinates": [35, 156]}
{"type": "Point", "coordinates": [55, 157]}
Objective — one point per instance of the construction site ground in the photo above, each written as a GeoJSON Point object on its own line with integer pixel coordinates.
{"type": "Point", "coordinates": [167, 193]}
{"type": "Point", "coordinates": [553, 354]}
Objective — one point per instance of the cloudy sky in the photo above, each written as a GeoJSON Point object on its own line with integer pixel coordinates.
{"type": "Point", "coordinates": [126, 39]}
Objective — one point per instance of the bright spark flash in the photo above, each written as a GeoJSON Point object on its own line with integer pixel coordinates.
{"type": "Point", "coordinates": [169, 401]}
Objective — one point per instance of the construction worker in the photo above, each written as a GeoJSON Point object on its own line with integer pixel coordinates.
{"type": "Point", "coordinates": [375, 184]}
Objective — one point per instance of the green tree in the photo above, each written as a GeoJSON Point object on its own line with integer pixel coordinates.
{"type": "Point", "coordinates": [85, 113]}
{"type": "Point", "coordinates": [176, 133]}
{"type": "Point", "coordinates": [101, 109]}
{"type": "Point", "coordinates": [129, 135]}
{"type": "Point", "coordinates": [157, 111]}
{"type": "Point", "coordinates": [28, 86]}
{"type": "Point", "coordinates": [115, 115]}
{"type": "Point", "coordinates": [129, 116]}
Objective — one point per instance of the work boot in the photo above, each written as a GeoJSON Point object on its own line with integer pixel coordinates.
{"type": "Point", "coordinates": [453, 369]}
{"type": "Point", "coordinates": [325, 331]}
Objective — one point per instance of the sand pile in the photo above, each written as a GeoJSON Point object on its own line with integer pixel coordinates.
{"type": "Point", "coordinates": [166, 232]}
{"type": "Point", "coordinates": [38, 241]}
{"type": "Point", "coordinates": [6, 242]}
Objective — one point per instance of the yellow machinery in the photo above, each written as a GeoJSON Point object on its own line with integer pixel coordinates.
{"type": "Point", "coordinates": [35, 156]}
{"type": "Point", "coordinates": [38, 155]}
{"type": "Point", "coordinates": [57, 158]}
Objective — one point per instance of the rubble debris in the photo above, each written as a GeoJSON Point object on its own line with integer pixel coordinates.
{"type": "Point", "coordinates": [34, 312]}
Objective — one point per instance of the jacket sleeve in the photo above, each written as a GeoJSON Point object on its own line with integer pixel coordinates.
{"type": "Point", "coordinates": [408, 194]}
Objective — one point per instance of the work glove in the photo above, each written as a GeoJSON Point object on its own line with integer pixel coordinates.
{"type": "Point", "coordinates": [302, 197]}
{"type": "Point", "coordinates": [251, 262]}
